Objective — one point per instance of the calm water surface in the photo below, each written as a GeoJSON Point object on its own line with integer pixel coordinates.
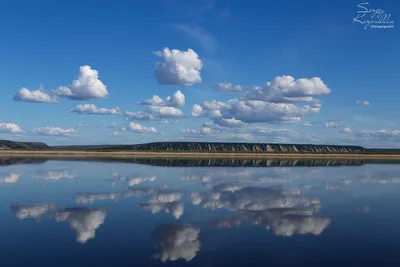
{"type": "Point", "coordinates": [198, 213]}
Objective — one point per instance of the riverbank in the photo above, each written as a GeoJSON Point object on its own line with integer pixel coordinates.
{"type": "Point", "coordinates": [226, 155]}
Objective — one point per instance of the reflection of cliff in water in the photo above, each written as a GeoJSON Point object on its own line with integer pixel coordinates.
{"type": "Point", "coordinates": [245, 162]}
{"type": "Point", "coordinates": [203, 162]}
{"type": "Point", "coordinates": [15, 160]}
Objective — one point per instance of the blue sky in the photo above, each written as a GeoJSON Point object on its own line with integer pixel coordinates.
{"type": "Point", "coordinates": [317, 61]}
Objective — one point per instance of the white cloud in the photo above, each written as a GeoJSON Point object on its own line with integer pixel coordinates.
{"type": "Point", "coordinates": [154, 101]}
{"type": "Point", "coordinates": [92, 109]}
{"type": "Point", "coordinates": [55, 131]}
{"type": "Point", "coordinates": [345, 130]}
{"type": "Point", "coordinates": [34, 96]}
{"type": "Point", "coordinates": [208, 124]}
{"type": "Point", "coordinates": [228, 87]}
{"type": "Point", "coordinates": [362, 102]}
{"type": "Point", "coordinates": [252, 111]}
{"type": "Point", "coordinates": [331, 124]}
{"type": "Point", "coordinates": [180, 241]}
{"type": "Point", "coordinates": [84, 221]}
{"type": "Point", "coordinates": [379, 135]}
{"type": "Point", "coordinates": [9, 128]}
{"type": "Point", "coordinates": [113, 134]}
{"type": "Point", "coordinates": [139, 116]}
{"type": "Point", "coordinates": [230, 122]}
{"type": "Point", "coordinates": [178, 67]}
{"type": "Point", "coordinates": [205, 131]}
{"type": "Point", "coordinates": [307, 124]}
{"type": "Point", "coordinates": [285, 89]}
{"type": "Point", "coordinates": [134, 127]}
{"type": "Point", "coordinates": [11, 178]}
{"type": "Point", "coordinates": [176, 100]}
{"type": "Point", "coordinates": [86, 86]}
{"type": "Point", "coordinates": [166, 112]}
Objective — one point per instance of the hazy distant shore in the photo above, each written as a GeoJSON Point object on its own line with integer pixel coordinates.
{"type": "Point", "coordinates": [143, 154]}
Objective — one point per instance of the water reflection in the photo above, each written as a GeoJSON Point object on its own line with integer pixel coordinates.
{"type": "Point", "coordinates": [10, 178]}
{"type": "Point", "coordinates": [54, 175]}
{"type": "Point", "coordinates": [176, 241]}
{"type": "Point", "coordinates": [85, 221]}
{"type": "Point", "coordinates": [187, 210]}
{"type": "Point", "coordinates": [31, 211]}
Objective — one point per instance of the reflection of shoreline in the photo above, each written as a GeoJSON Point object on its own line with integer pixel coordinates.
{"type": "Point", "coordinates": [196, 155]}
{"type": "Point", "coordinates": [226, 161]}
{"type": "Point", "coordinates": [7, 161]}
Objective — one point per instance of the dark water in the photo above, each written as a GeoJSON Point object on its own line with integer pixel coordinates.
{"type": "Point", "coordinates": [208, 213]}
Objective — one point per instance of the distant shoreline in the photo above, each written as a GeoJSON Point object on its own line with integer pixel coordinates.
{"type": "Point", "coordinates": [192, 155]}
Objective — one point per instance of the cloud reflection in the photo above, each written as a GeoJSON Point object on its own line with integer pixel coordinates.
{"type": "Point", "coordinates": [85, 221]}
{"type": "Point", "coordinates": [10, 179]}
{"type": "Point", "coordinates": [54, 175]}
{"type": "Point", "coordinates": [31, 211]}
{"type": "Point", "coordinates": [176, 241]}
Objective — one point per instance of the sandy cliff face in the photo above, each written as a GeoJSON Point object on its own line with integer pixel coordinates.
{"type": "Point", "coordinates": [245, 147]}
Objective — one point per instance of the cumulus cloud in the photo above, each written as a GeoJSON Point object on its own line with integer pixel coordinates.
{"type": "Point", "coordinates": [205, 131]}
{"type": "Point", "coordinates": [379, 135]}
{"type": "Point", "coordinates": [34, 96]}
{"type": "Point", "coordinates": [10, 179]}
{"type": "Point", "coordinates": [33, 211]}
{"type": "Point", "coordinates": [307, 124]}
{"type": "Point", "coordinates": [175, 100]}
{"type": "Point", "coordinates": [92, 109]}
{"type": "Point", "coordinates": [331, 124]}
{"type": "Point", "coordinates": [113, 134]}
{"type": "Point", "coordinates": [178, 67]}
{"type": "Point", "coordinates": [208, 124]}
{"type": "Point", "coordinates": [165, 112]}
{"type": "Point", "coordinates": [345, 130]}
{"type": "Point", "coordinates": [228, 87]}
{"type": "Point", "coordinates": [180, 241]}
{"type": "Point", "coordinates": [55, 131]}
{"type": "Point", "coordinates": [135, 127]}
{"type": "Point", "coordinates": [252, 111]}
{"type": "Point", "coordinates": [85, 221]}
{"type": "Point", "coordinates": [86, 86]}
{"type": "Point", "coordinates": [232, 122]}
{"type": "Point", "coordinates": [54, 175]}
{"type": "Point", "coordinates": [285, 89]}
{"type": "Point", "coordinates": [362, 103]}
{"type": "Point", "coordinates": [139, 116]}
{"type": "Point", "coordinates": [9, 128]}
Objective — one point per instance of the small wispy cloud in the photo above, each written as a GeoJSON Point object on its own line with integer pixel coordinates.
{"type": "Point", "coordinates": [203, 38]}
